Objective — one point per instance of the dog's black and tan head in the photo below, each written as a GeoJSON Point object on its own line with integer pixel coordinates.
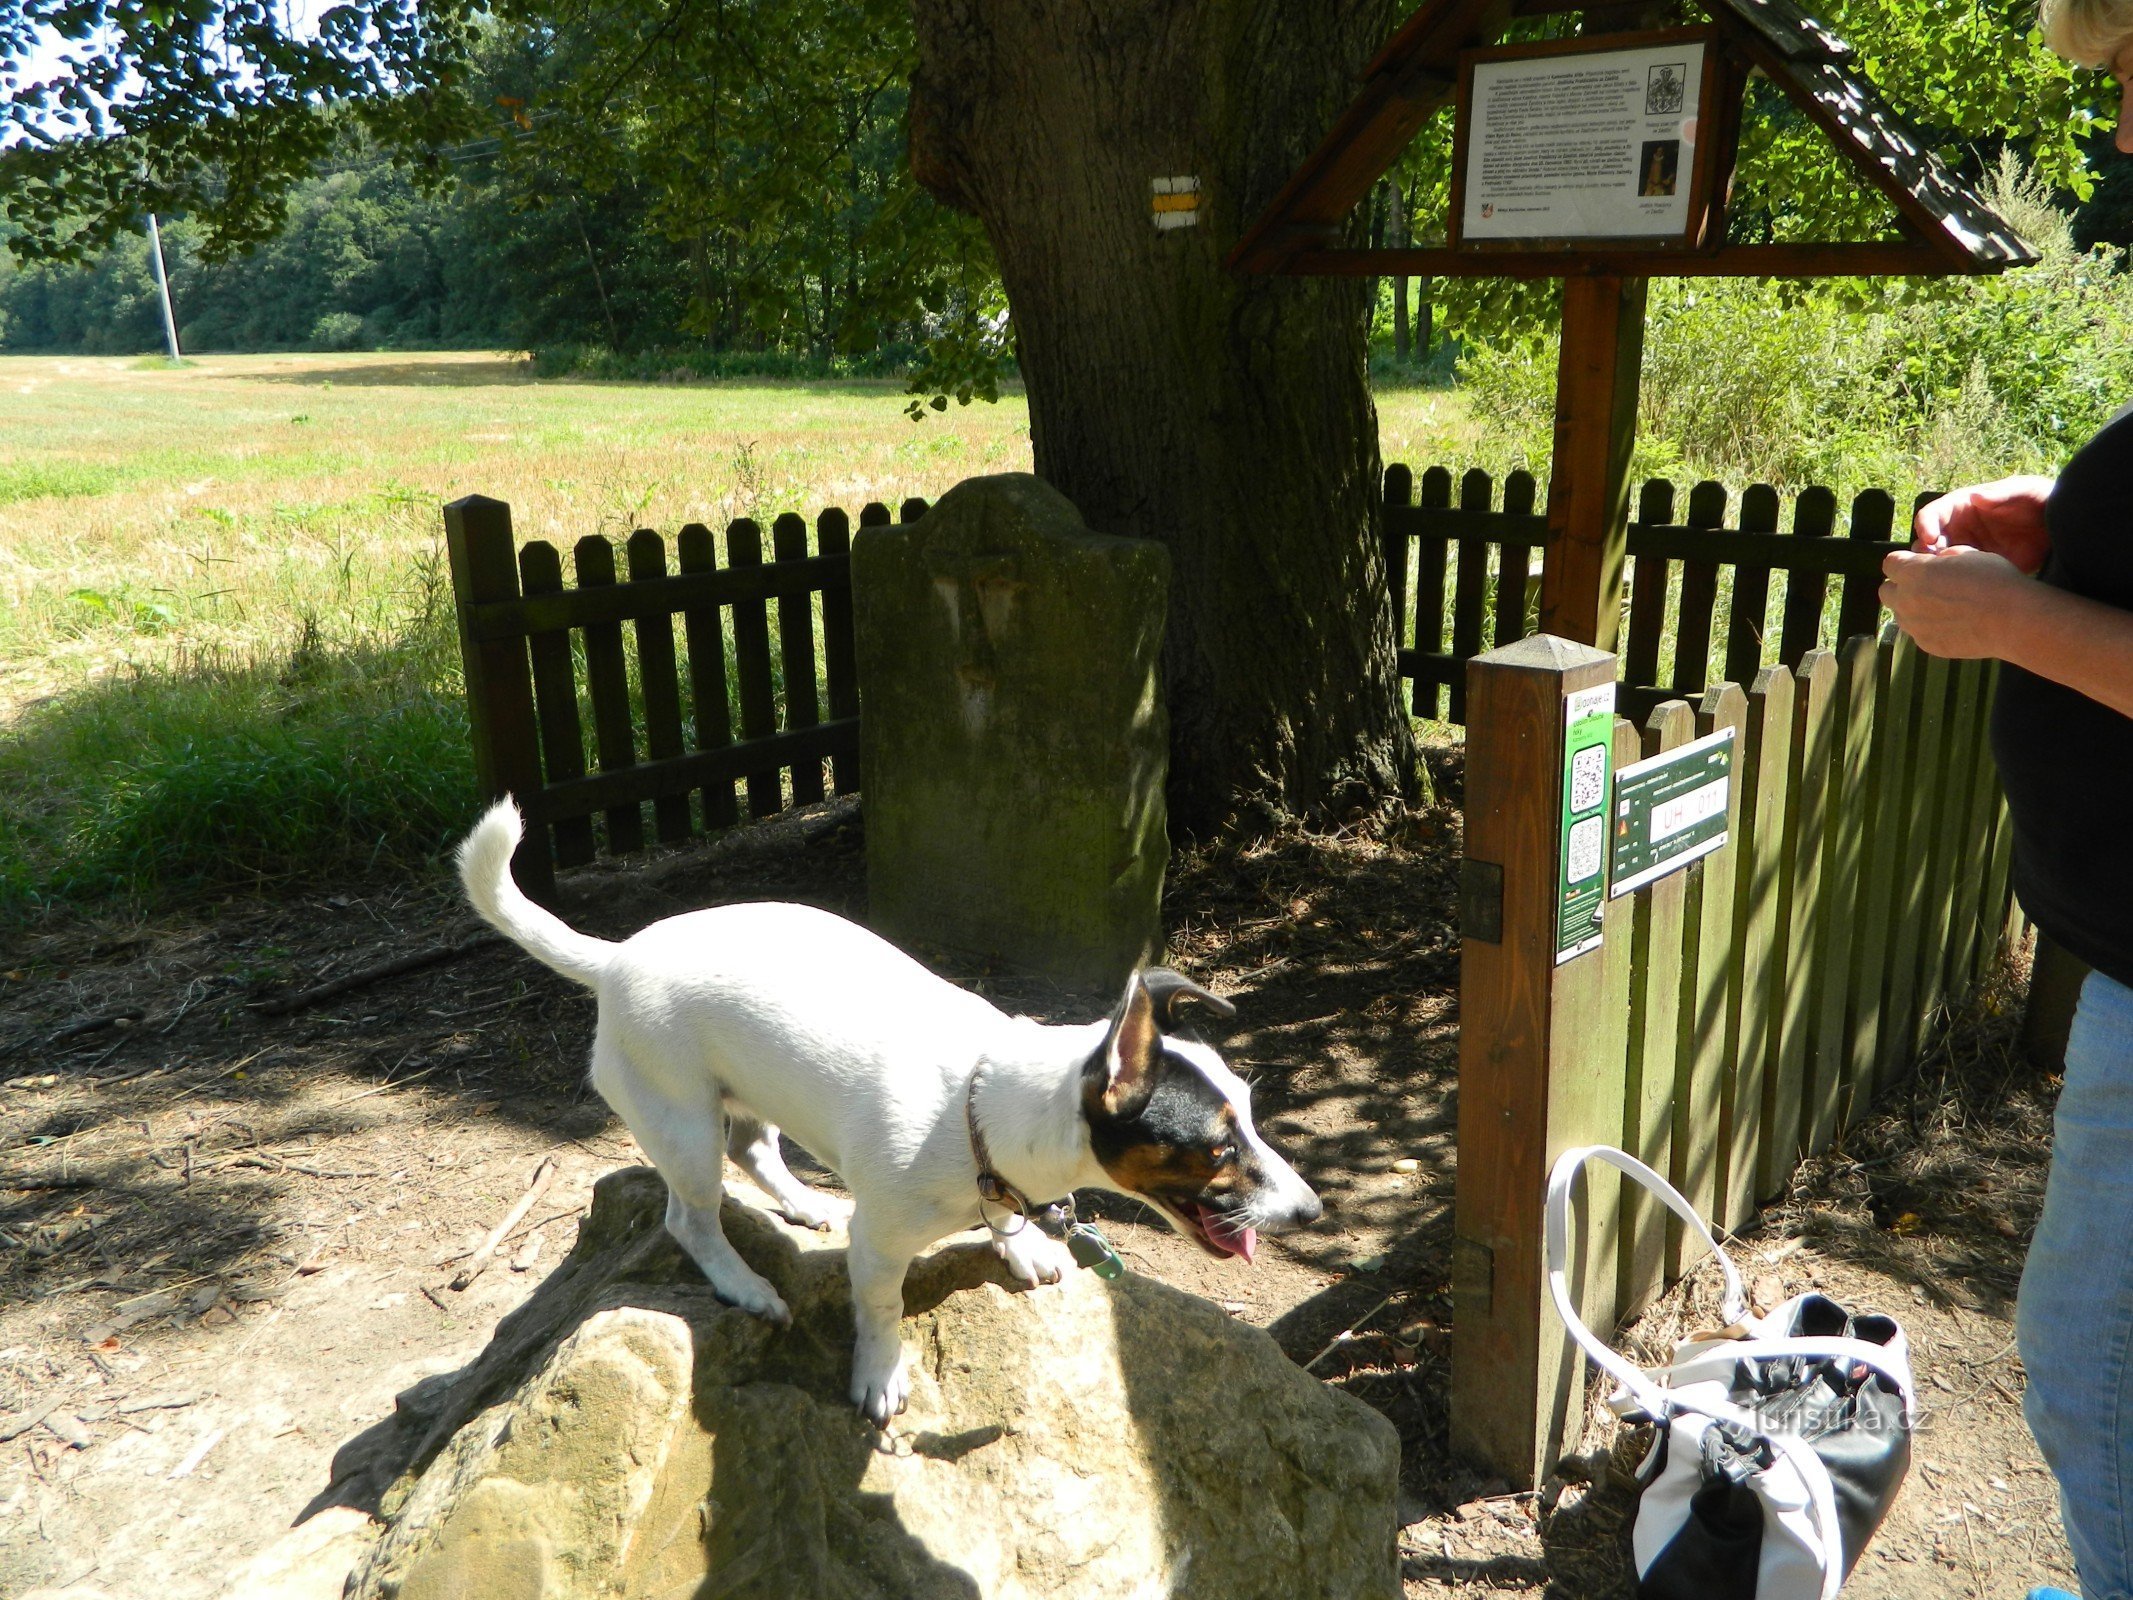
{"type": "Point", "coordinates": [1171, 1124]}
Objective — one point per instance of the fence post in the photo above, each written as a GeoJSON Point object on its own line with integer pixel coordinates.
{"type": "Point", "coordinates": [500, 715]}
{"type": "Point", "coordinates": [1541, 1053]}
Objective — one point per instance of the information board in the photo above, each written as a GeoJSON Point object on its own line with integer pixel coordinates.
{"type": "Point", "coordinates": [1588, 753]}
{"type": "Point", "coordinates": [1671, 810]}
{"type": "Point", "coordinates": [1572, 142]}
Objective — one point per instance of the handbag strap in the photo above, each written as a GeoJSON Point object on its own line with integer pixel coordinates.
{"type": "Point", "coordinates": [1663, 1403]}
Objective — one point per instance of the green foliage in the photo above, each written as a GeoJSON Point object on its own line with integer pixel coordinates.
{"type": "Point", "coordinates": [1923, 384]}
{"type": "Point", "coordinates": [325, 761]}
{"type": "Point", "coordinates": [731, 179]}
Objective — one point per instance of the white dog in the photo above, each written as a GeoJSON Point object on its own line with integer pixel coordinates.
{"type": "Point", "coordinates": [719, 1027]}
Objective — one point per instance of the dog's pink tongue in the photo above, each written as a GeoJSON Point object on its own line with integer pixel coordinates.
{"type": "Point", "coordinates": [1226, 1234]}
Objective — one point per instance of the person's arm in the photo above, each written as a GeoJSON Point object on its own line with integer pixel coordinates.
{"type": "Point", "coordinates": [1966, 603]}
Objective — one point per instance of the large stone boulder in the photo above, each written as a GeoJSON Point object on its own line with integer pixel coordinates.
{"type": "Point", "coordinates": [1014, 745]}
{"type": "Point", "coordinates": [627, 1436]}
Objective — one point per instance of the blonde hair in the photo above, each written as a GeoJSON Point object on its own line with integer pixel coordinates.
{"type": "Point", "coordinates": [2087, 32]}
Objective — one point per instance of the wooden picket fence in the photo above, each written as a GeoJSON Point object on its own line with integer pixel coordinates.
{"type": "Point", "coordinates": [673, 729]}
{"type": "Point", "coordinates": [1739, 1013]}
{"type": "Point", "coordinates": [1465, 576]}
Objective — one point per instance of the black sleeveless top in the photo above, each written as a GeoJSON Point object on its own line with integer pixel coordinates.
{"type": "Point", "coordinates": [2066, 761]}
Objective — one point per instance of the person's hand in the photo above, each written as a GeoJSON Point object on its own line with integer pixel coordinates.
{"type": "Point", "coordinates": [2005, 517]}
{"type": "Point", "coordinates": [1957, 601]}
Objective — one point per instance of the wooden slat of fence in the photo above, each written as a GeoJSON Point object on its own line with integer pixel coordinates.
{"type": "Point", "coordinates": [500, 712]}
{"type": "Point", "coordinates": [1393, 537]}
{"type": "Point", "coordinates": [840, 653]}
{"type": "Point", "coordinates": [607, 684]}
{"type": "Point", "coordinates": [1785, 1091]}
{"type": "Point", "coordinates": [796, 654]}
{"type": "Point", "coordinates": [1997, 852]}
{"type": "Point", "coordinates": [1951, 860]}
{"type": "Point", "coordinates": [1514, 563]}
{"type": "Point", "coordinates": [1699, 593]}
{"type": "Point", "coordinates": [751, 666]}
{"type": "Point", "coordinates": [1720, 979]}
{"type": "Point", "coordinates": [555, 690]}
{"type": "Point", "coordinates": [660, 683]}
{"type": "Point", "coordinates": [1765, 767]}
{"type": "Point", "coordinates": [1748, 618]}
{"type": "Point", "coordinates": [1899, 1040]}
{"type": "Point", "coordinates": [1707, 1047]}
{"type": "Point", "coordinates": [695, 553]}
{"type": "Point", "coordinates": [1973, 842]}
{"type": "Point", "coordinates": [1655, 1037]}
{"type": "Point", "coordinates": [1851, 738]}
{"type": "Point", "coordinates": [1470, 587]}
{"type": "Point", "coordinates": [1647, 591]}
{"type": "Point", "coordinates": [912, 509]}
{"type": "Point", "coordinates": [1814, 516]}
{"type": "Point", "coordinates": [1873, 522]}
{"type": "Point", "coordinates": [1431, 550]}
{"type": "Point", "coordinates": [1880, 901]}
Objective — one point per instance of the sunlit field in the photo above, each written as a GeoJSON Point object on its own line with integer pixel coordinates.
{"type": "Point", "coordinates": [148, 513]}
{"type": "Point", "coordinates": [226, 650]}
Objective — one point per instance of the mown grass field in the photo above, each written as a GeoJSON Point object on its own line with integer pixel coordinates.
{"type": "Point", "coordinates": [225, 644]}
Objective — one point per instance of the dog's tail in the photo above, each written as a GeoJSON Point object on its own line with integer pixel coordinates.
{"type": "Point", "coordinates": [485, 870]}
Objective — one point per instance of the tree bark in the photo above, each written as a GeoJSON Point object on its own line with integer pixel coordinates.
{"type": "Point", "coordinates": [1229, 417]}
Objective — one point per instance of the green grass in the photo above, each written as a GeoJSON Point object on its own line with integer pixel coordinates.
{"type": "Point", "coordinates": [163, 784]}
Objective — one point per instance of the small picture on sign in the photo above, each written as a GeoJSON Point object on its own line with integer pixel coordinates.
{"type": "Point", "coordinates": [1588, 779]}
{"type": "Point", "coordinates": [1658, 166]}
{"type": "Point", "coordinates": [1664, 86]}
{"type": "Point", "coordinates": [1588, 840]}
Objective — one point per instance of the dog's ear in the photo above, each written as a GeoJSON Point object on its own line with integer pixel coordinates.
{"type": "Point", "coordinates": [1132, 1050]}
{"type": "Point", "coordinates": [1173, 993]}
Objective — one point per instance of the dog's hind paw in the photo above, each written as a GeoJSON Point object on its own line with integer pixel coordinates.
{"type": "Point", "coordinates": [1032, 1257]}
{"type": "Point", "coordinates": [809, 1211]}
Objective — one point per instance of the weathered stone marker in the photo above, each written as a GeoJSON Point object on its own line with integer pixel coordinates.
{"type": "Point", "coordinates": [1013, 739]}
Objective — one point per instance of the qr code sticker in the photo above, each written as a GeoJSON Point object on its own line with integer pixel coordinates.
{"type": "Point", "coordinates": [1588, 778]}
{"type": "Point", "coordinates": [1586, 839]}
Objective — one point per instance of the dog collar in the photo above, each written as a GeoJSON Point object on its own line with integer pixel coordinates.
{"type": "Point", "coordinates": [1088, 1247]}
{"type": "Point", "coordinates": [993, 1189]}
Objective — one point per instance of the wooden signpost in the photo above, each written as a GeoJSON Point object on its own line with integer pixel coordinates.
{"type": "Point", "coordinates": [1603, 160]}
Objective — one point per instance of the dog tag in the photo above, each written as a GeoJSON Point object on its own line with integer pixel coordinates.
{"type": "Point", "coordinates": [1090, 1249]}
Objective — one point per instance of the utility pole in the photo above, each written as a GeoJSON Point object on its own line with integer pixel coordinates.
{"type": "Point", "coordinates": [155, 251]}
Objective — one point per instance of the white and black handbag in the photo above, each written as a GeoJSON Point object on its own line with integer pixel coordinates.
{"type": "Point", "coordinates": [1782, 1440]}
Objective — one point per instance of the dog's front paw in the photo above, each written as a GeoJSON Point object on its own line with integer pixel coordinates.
{"type": "Point", "coordinates": [880, 1390]}
{"type": "Point", "coordinates": [755, 1296]}
{"type": "Point", "coordinates": [1032, 1257]}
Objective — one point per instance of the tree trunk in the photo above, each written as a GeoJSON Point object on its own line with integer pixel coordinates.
{"type": "Point", "coordinates": [1227, 416]}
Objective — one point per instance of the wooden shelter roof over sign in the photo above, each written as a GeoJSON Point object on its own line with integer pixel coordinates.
{"type": "Point", "coordinates": [1946, 226]}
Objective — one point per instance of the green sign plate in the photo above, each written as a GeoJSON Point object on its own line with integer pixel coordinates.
{"type": "Point", "coordinates": [1671, 810]}
{"type": "Point", "coordinates": [1581, 882]}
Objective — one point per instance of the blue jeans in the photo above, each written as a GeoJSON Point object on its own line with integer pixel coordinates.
{"type": "Point", "coordinates": [2074, 1320]}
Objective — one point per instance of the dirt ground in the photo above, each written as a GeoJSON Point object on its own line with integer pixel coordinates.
{"type": "Point", "coordinates": [233, 1225]}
